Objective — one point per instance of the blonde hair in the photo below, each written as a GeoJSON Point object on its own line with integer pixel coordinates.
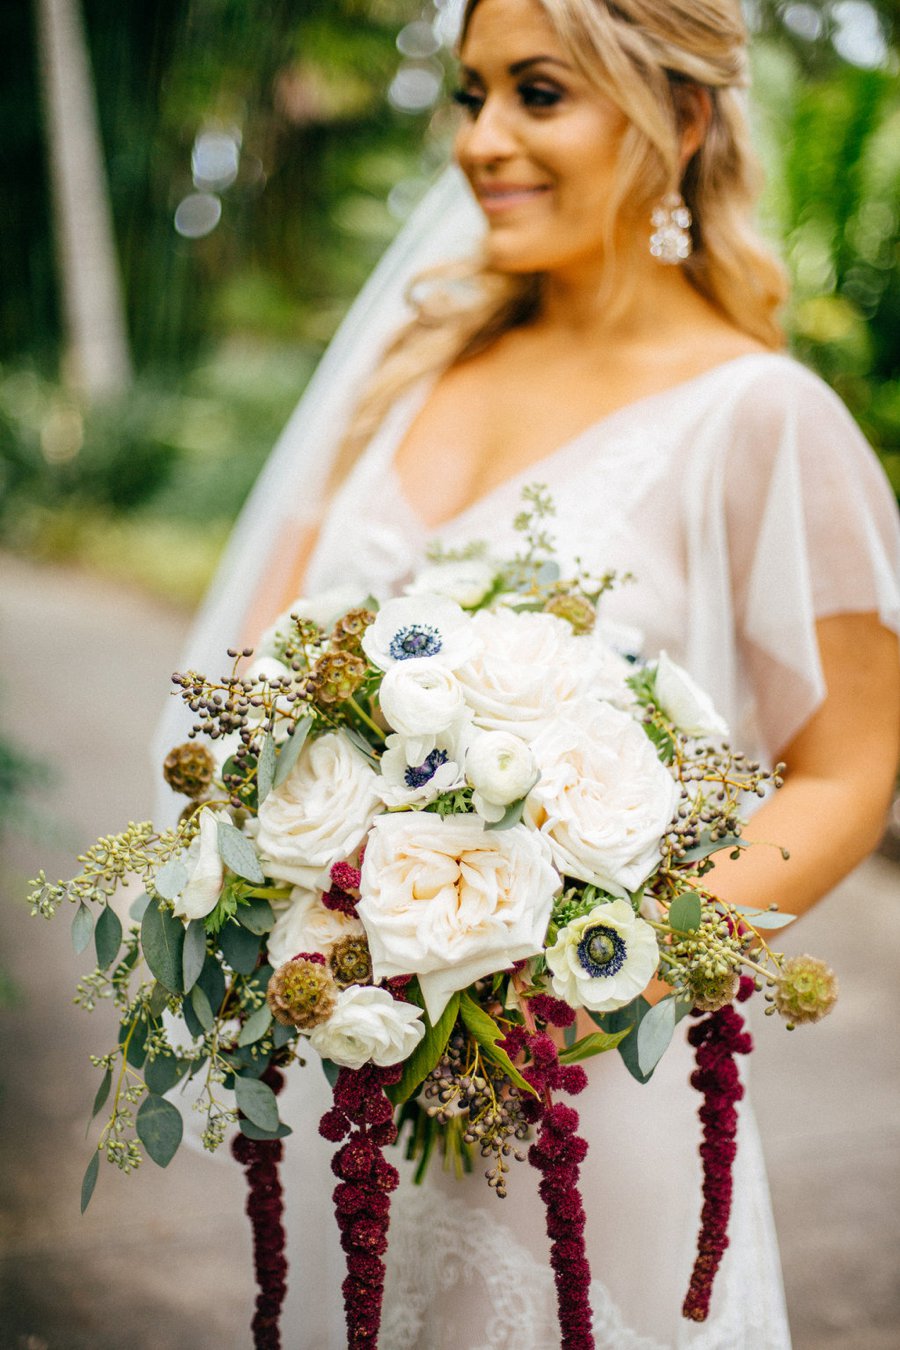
{"type": "Point", "coordinates": [644, 55]}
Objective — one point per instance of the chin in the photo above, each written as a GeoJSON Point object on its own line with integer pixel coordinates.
{"type": "Point", "coordinates": [517, 256]}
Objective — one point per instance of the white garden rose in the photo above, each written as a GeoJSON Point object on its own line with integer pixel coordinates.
{"type": "Point", "coordinates": [467, 581]}
{"type": "Point", "coordinates": [419, 628]}
{"type": "Point", "coordinates": [420, 700]}
{"type": "Point", "coordinates": [307, 925]}
{"type": "Point", "coordinates": [450, 901]}
{"type": "Point", "coordinates": [604, 800]}
{"type": "Point", "coordinates": [320, 813]}
{"type": "Point", "coordinates": [502, 769]}
{"type": "Point", "coordinates": [685, 703]}
{"type": "Point", "coordinates": [529, 667]}
{"type": "Point", "coordinates": [405, 784]}
{"type": "Point", "coordinates": [205, 869]}
{"type": "Point", "coordinates": [368, 1024]}
{"type": "Point", "coordinates": [604, 959]}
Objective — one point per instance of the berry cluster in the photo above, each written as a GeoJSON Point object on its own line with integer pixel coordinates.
{"type": "Point", "coordinates": [716, 1039]}
{"type": "Point", "coordinates": [362, 1197]}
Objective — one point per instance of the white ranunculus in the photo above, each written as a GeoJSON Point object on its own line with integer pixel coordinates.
{"type": "Point", "coordinates": [449, 901]}
{"type": "Point", "coordinates": [368, 1024]}
{"type": "Point", "coordinates": [308, 926]}
{"type": "Point", "coordinates": [467, 581]}
{"type": "Point", "coordinates": [205, 870]}
{"type": "Point", "coordinates": [419, 628]}
{"type": "Point", "coordinates": [604, 959]}
{"type": "Point", "coordinates": [319, 814]}
{"type": "Point", "coordinates": [685, 703]}
{"type": "Point", "coordinates": [604, 800]}
{"type": "Point", "coordinates": [405, 784]}
{"type": "Point", "coordinates": [324, 609]}
{"type": "Point", "coordinates": [420, 700]}
{"type": "Point", "coordinates": [502, 769]}
{"type": "Point", "coordinates": [530, 666]}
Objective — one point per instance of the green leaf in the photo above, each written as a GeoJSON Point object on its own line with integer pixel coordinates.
{"type": "Point", "coordinates": [194, 954]}
{"type": "Point", "coordinates": [82, 928]}
{"type": "Point", "coordinates": [256, 1026]}
{"type": "Point", "coordinates": [137, 1042]}
{"type": "Point", "coordinates": [685, 912]}
{"type": "Point", "coordinates": [427, 1053]}
{"type": "Point", "coordinates": [254, 1132]}
{"type": "Point", "coordinates": [256, 915]}
{"type": "Point", "coordinates": [102, 1093]}
{"type": "Point", "coordinates": [159, 997]}
{"type": "Point", "coordinates": [162, 941]}
{"type": "Point", "coordinates": [511, 816]}
{"type": "Point", "coordinates": [708, 846]}
{"type": "Point", "coordinates": [240, 948]}
{"type": "Point", "coordinates": [764, 918]}
{"type": "Point", "coordinates": [486, 1032]}
{"type": "Point", "coordinates": [161, 1074]}
{"type": "Point", "coordinates": [160, 1128]}
{"type": "Point", "coordinates": [257, 1101]}
{"type": "Point", "coordinates": [201, 1006]}
{"type": "Point", "coordinates": [595, 1043]}
{"type": "Point", "coordinates": [265, 769]}
{"type": "Point", "coordinates": [212, 981]}
{"type": "Point", "coordinates": [331, 1071]}
{"type": "Point", "coordinates": [138, 907]}
{"type": "Point", "coordinates": [107, 937]}
{"type": "Point", "coordinates": [90, 1180]}
{"type": "Point", "coordinates": [359, 742]}
{"type": "Point", "coordinates": [621, 1019]}
{"type": "Point", "coordinates": [290, 749]}
{"type": "Point", "coordinates": [238, 853]}
{"type": "Point", "coordinates": [171, 879]}
{"type": "Point", "coordinates": [654, 1034]}
{"type": "Point", "coordinates": [282, 1035]}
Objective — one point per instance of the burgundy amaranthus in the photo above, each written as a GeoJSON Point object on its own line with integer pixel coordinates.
{"type": "Point", "coordinates": [265, 1206]}
{"type": "Point", "coordinates": [344, 879]}
{"type": "Point", "coordinates": [362, 1197]}
{"type": "Point", "coordinates": [717, 1038]}
{"type": "Point", "coordinates": [558, 1152]}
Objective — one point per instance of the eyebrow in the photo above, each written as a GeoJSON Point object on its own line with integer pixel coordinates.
{"type": "Point", "coordinates": [519, 67]}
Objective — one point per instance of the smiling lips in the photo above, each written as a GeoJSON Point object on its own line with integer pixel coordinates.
{"type": "Point", "coordinates": [498, 197]}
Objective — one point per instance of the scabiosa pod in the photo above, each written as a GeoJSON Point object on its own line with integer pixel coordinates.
{"type": "Point", "coordinates": [717, 1038]}
{"type": "Point", "coordinates": [265, 1206]}
{"type": "Point", "coordinates": [806, 990]}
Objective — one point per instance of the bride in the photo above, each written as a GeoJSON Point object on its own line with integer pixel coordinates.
{"type": "Point", "coordinates": [605, 323]}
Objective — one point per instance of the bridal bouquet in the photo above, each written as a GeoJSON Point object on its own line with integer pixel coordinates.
{"type": "Point", "coordinates": [446, 841]}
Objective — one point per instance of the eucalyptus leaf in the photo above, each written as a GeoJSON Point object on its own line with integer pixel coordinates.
{"type": "Point", "coordinates": [685, 912]}
{"type": "Point", "coordinates": [547, 573]}
{"type": "Point", "coordinates": [265, 769]}
{"type": "Point", "coordinates": [137, 1044]}
{"type": "Point", "coordinates": [764, 918]}
{"type": "Point", "coordinates": [331, 1071]}
{"type": "Point", "coordinates": [240, 948]}
{"type": "Point", "coordinates": [191, 1020]}
{"type": "Point", "coordinates": [257, 1101]}
{"type": "Point", "coordinates": [254, 1132]}
{"type": "Point", "coordinates": [256, 1026]}
{"type": "Point", "coordinates": [708, 846]}
{"type": "Point", "coordinates": [102, 1093]}
{"type": "Point", "coordinates": [162, 1073]}
{"type": "Point", "coordinates": [595, 1043]}
{"type": "Point", "coordinates": [162, 941]}
{"type": "Point", "coordinates": [282, 1035]}
{"type": "Point", "coordinates": [212, 981]}
{"type": "Point", "coordinates": [290, 749]}
{"type": "Point", "coordinates": [194, 954]}
{"type": "Point", "coordinates": [655, 1033]}
{"type": "Point", "coordinates": [631, 1015]}
{"type": "Point", "coordinates": [107, 937]}
{"type": "Point", "coordinates": [171, 879]}
{"type": "Point", "coordinates": [427, 1053]}
{"type": "Point", "coordinates": [201, 1006]}
{"type": "Point", "coordinates": [159, 997]}
{"type": "Point", "coordinates": [359, 742]}
{"type": "Point", "coordinates": [511, 816]}
{"type": "Point", "coordinates": [160, 1128]}
{"type": "Point", "coordinates": [138, 907]}
{"type": "Point", "coordinates": [256, 915]}
{"type": "Point", "coordinates": [238, 853]}
{"type": "Point", "coordinates": [82, 928]}
{"type": "Point", "coordinates": [90, 1180]}
{"type": "Point", "coordinates": [487, 1033]}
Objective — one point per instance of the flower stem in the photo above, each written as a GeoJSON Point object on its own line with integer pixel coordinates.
{"type": "Point", "coordinates": [364, 717]}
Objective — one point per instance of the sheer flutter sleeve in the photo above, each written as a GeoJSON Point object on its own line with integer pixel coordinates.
{"type": "Point", "coordinates": [813, 531]}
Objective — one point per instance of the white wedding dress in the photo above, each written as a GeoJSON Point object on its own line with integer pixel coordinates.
{"type": "Point", "coordinates": [746, 504]}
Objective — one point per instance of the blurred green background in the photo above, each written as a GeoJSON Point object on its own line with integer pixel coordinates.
{"type": "Point", "coordinates": [255, 157]}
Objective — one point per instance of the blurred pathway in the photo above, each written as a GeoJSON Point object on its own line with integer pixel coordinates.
{"type": "Point", "coordinates": [162, 1262]}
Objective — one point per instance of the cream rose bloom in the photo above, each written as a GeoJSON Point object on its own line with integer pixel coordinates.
{"type": "Point", "coordinates": [320, 813]}
{"type": "Point", "coordinates": [685, 703]}
{"type": "Point", "coordinates": [368, 1024]}
{"type": "Point", "coordinates": [308, 926]}
{"type": "Point", "coordinates": [603, 800]}
{"type": "Point", "coordinates": [530, 667]}
{"type": "Point", "coordinates": [449, 901]}
{"type": "Point", "coordinates": [467, 581]}
{"type": "Point", "coordinates": [604, 959]}
{"type": "Point", "coordinates": [205, 870]}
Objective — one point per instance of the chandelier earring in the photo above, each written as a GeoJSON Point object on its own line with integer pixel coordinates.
{"type": "Point", "coordinates": [671, 240]}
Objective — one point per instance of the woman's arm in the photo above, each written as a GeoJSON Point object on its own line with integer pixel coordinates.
{"type": "Point", "coordinates": [840, 773]}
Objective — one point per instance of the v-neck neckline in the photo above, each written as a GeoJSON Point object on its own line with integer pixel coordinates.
{"type": "Point", "coordinates": [417, 401]}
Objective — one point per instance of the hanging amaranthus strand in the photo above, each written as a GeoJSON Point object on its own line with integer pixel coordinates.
{"type": "Point", "coordinates": [265, 1206]}
{"type": "Point", "coordinates": [558, 1152]}
{"type": "Point", "coordinates": [361, 1200]}
{"type": "Point", "coordinates": [717, 1038]}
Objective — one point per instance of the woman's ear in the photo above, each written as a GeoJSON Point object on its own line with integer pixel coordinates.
{"type": "Point", "coordinates": [693, 104]}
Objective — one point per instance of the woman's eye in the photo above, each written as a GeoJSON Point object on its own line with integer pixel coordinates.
{"type": "Point", "coordinates": [539, 96]}
{"type": "Point", "coordinates": [466, 99]}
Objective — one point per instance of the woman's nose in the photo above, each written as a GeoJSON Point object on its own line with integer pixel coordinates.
{"type": "Point", "coordinates": [489, 136]}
